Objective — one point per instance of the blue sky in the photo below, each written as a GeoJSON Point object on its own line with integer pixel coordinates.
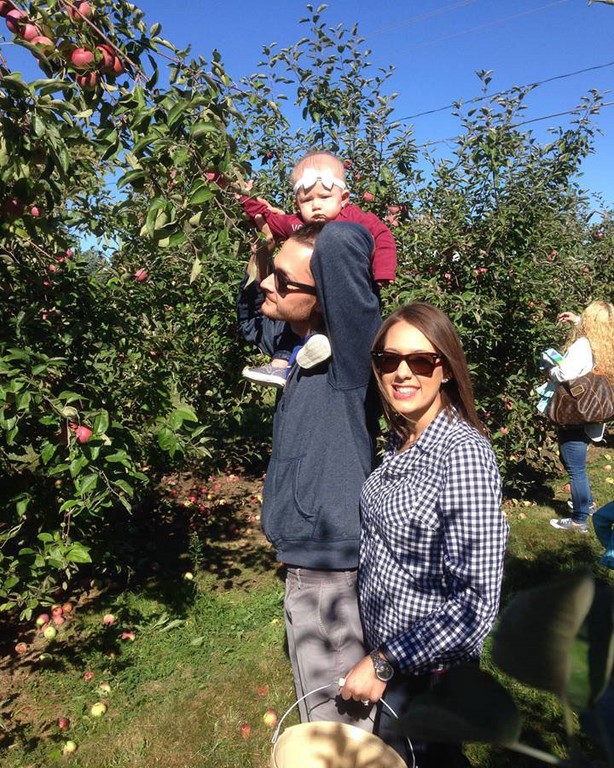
{"type": "Point", "coordinates": [436, 46]}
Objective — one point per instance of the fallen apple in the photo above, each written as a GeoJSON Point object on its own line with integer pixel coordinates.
{"type": "Point", "coordinates": [108, 619]}
{"type": "Point", "coordinates": [88, 676]}
{"type": "Point", "coordinates": [63, 723]}
{"type": "Point", "coordinates": [245, 730]}
{"type": "Point", "coordinates": [21, 648]}
{"type": "Point", "coordinates": [188, 576]}
{"type": "Point", "coordinates": [42, 620]}
{"type": "Point", "coordinates": [50, 633]}
{"type": "Point", "coordinates": [270, 718]}
{"type": "Point", "coordinates": [98, 709]}
{"type": "Point", "coordinates": [69, 747]}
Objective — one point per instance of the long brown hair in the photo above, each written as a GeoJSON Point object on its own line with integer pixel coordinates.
{"type": "Point", "coordinates": [457, 392]}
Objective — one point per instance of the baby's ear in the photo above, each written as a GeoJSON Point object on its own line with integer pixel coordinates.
{"type": "Point", "coordinates": [345, 197]}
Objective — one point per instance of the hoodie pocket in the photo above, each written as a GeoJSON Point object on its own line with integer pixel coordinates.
{"type": "Point", "coordinates": [290, 501]}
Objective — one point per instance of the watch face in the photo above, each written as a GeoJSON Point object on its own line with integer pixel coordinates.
{"type": "Point", "coordinates": [383, 669]}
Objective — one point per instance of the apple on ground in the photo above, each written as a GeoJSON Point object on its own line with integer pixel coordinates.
{"type": "Point", "coordinates": [88, 675]}
{"type": "Point", "coordinates": [270, 718]}
{"type": "Point", "coordinates": [63, 723]}
{"type": "Point", "coordinates": [108, 619]}
{"type": "Point", "coordinates": [245, 730]}
{"type": "Point", "coordinates": [98, 709]}
{"type": "Point", "coordinates": [104, 688]}
{"type": "Point", "coordinates": [50, 633]}
{"type": "Point", "coordinates": [188, 576]}
{"type": "Point", "coordinates": [69, 747]}
{"type": "Point", "coordinates": [21, 648]}
{"type": "Point", "coordinates": [42, 620]}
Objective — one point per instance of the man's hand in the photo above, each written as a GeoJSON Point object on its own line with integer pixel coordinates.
{"type": "Point", "coordinates": [259, 264]}
{"type": "Point", "coordinates": [361, 684]}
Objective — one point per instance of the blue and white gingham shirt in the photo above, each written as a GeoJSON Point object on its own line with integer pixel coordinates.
{"type": "Point", "coordinates": [432, 547]}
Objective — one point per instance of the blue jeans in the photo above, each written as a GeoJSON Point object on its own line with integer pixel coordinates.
{"type": "Point", "coordinates": [603, 522]}
{"type": "Point", "coordinates": [573, 445]}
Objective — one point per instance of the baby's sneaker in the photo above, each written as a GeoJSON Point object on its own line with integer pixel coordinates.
{"type": "Point", "coordinates": [314, 351]}
{"type": "Point", "coordinates": [267, 375]}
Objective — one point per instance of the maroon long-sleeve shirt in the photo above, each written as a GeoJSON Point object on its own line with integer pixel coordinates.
{"type": "Point", "coordinates": [384, 256]}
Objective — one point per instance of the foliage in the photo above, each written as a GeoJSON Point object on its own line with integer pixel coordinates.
{"type": "Point", "coordinates": [498, 235]}
{"type": "Point", "coordinates": [117, 264]}
{"type": "Point", "coordinates": [120, 257]}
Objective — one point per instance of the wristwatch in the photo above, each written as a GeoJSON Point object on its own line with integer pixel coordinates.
{"type": "Point", "coordinates": [383, 669]}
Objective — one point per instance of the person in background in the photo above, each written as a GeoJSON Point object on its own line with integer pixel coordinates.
{"type": "Point", "coordinates": [433, 532]}
{"type": "Point", "coordinates": [591, 347]}
{"type": "Point", "coordinates": [603, 523]}
{"type": "Point", "coordinates": [321, 193]}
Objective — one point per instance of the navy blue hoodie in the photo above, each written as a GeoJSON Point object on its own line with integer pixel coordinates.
{"type": "Point", "coordinates": [326, 419]}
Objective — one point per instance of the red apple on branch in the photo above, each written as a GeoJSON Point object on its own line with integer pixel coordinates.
{"type": "Point", "coordinates": [15, 19]}
{"type": "Point", "coordinates": [82, 58]}
{"type": "Point", "coordinates": [5, 7]}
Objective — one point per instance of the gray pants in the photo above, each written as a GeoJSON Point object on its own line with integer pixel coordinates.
{"type": "Point", "coordinates": [325, 641]}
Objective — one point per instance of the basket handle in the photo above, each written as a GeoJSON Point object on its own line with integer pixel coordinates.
{"type": "Point", "coordinates": [340, 683]}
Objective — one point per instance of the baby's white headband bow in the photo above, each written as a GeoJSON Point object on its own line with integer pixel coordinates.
{"type": "Point", "coordinates": [311, 176]}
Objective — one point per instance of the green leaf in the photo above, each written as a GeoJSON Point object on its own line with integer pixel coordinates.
{"type": "Point", "coordinates": [167, 440]}
{"type": "Point", "coordinates": [130, 178]}
{"type": "Point", "coordinates": [200, 194]}
{"type": "Point", "coordinates": [87, 484]}
{"type": "Point", "coordinates": [202, 128]}
{"type": "Point", "coordinates": [197, 268]}
{"type": "Point", "coordinates": [78, 554]}
{"type": "Point", "coordinates": [101, 423]}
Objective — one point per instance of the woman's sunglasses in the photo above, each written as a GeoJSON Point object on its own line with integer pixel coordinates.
{"type": "Point", "coordinates": [282, 284]}
{"type": "Point", "coordinates": [420, 363]}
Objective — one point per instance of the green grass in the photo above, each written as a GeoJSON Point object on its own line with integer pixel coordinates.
{"type": "Point", "coordinates": [209, 654]}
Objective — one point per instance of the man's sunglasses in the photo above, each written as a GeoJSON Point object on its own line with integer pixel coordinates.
{"type": "Point", "coordinates": [282, 284]}
{"type": "Point", "coordinates": [420, 363]}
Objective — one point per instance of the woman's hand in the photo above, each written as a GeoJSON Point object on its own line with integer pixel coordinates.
{"type": "Point", "coordinates": [361, 684]}
{"type": "Point", "coordinates": [568, 317]}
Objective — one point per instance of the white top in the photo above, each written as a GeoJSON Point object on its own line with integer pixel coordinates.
{"type": "Point", "coordinates": [578, 361]}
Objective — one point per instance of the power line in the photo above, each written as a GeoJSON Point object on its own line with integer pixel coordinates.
{"type": "Point", "coordinates": [523, 122]}
{"type": "Point", "coordinates": [478, 99]}
{"type": "Point", "coordinates": [422, 17]}
{"type": "Point", "coordinates": [494, 23]}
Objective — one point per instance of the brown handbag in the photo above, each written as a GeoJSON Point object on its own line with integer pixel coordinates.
{"type": "Point", "coordinates": [589, 399]}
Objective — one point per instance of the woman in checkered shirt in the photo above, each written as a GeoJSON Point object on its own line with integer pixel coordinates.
{"type": "Point", "coordinates": [433, 533]}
